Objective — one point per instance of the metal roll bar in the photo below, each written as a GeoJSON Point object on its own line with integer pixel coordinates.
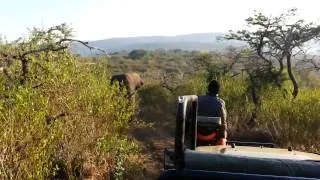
{"type": "Point", "coordinates": [180, 127]}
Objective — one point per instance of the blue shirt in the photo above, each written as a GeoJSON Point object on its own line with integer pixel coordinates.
{"type": "Point", "coordinates": [209, 105]}
{"type": "Point", "coordinates": [213, 106]}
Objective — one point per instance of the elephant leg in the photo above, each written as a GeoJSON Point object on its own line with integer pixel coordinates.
{"type": "Point", "coordinates": [132, 102]}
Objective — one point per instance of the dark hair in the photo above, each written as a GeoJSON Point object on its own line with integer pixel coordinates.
{"type": "Point", "coordinates": [213, 87]}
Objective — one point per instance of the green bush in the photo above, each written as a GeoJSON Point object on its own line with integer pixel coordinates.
{"type": "Point", "coordinates": [294, 122]}
{"type": "Point", "coordinates": [53, 123]}
{"type": "Point", "coordinates": [137, 54]}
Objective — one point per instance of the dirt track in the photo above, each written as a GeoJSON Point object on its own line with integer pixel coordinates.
{"type": "Point", "coordinates": [153, 141]}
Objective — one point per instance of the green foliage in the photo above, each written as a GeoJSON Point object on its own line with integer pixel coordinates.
{"type": "Point", "coordinates": [197, 84]}
{"type": "Point", "coordinates": [28, 140]}
{"type": "Point", "coordinates": [293, 122]}
{"type": "Point", "coordinates": [238, 103]}
{"type": "Point", "coordinates": [53, 122]}
{"type": "Point", "coordinates": [155, 94]}
{"type": "Point", "coordinates": [122, 148]}
{"type": "Point", "coordinates": [137, 54]}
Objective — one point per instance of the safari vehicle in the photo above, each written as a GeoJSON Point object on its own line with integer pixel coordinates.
{"type": "Point", "coordinates": [235, 160]}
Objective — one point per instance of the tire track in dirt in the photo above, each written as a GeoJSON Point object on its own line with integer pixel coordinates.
{"type": "Point", "coordinates": [153, 142]}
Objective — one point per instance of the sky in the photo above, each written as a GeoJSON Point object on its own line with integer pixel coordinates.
{"type": "Point", "coordinates": [101, 19]}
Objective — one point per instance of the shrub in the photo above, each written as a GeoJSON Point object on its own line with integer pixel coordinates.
{"type": "Point", "coordinates": [137, 54]}
{"type": "Point", "coordinates": [293, 122]}
{"type": "Point", "coordinates": [55, 122]}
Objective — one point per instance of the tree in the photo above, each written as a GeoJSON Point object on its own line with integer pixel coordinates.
{"type": "Point", "coordinates": [23, 50]}
{"type": "Point", "coordinates": [276, 40]}
{"type": "Point", "coordinates": [137, 54]}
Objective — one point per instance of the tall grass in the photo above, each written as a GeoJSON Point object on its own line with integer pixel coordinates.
{"type": "Point", "coordinates": [293, 122]}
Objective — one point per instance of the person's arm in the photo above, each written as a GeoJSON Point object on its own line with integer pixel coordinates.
{"type": "Point", "coordinates": [223, 131]}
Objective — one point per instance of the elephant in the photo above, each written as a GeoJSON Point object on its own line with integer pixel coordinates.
{"type": "Point", "coordinates": [132, 81]}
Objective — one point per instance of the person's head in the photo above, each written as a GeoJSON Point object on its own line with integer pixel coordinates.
{"type": "Point", "coordinates": [213, 87]}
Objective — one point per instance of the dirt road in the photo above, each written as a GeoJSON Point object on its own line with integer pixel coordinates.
{"type": "Point", "coordinates": [153, 141]}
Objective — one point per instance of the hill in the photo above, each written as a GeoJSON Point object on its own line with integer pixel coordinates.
{"type": "Point", "coordinates": [198, 41]}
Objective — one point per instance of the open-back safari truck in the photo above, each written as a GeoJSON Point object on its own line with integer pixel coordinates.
{"type": "Point", "coordinates": [234, 160]}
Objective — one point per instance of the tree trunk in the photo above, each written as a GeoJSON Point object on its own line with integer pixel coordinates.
{"type": "Point", "coordinates": [256, 101]}
{"type": "Point", "coordinates": [292, 78]}
{"type": "Point", "coordinates": [279, 80]}
{"type": "Point", "coordinates": [254, 95]}
{"type": "Point", "coordinates": [25, 70]}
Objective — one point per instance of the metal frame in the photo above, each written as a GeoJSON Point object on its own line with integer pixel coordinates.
{"type": "Point", "coordinates": [180, 128]}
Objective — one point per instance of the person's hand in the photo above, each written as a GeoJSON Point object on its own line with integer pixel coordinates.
{"type": "Point", "coordinates": [222, 141]}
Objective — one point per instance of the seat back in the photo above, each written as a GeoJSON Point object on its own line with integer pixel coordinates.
{"type": "Point", "coordinates": [207, 125]}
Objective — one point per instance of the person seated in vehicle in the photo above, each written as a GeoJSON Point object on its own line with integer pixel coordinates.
{"type": "Point", "coordinates": [212, 106]}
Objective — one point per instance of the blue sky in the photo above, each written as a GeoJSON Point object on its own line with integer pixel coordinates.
{"type": "Point", "coordinates": [100, 19]}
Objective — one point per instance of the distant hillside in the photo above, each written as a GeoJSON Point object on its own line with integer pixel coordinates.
{"type": "Point", "coordinates": [200, 41]}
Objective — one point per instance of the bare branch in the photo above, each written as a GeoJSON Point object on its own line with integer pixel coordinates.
{"type": "Point", "coordinates": [85, 44]}
{"type": "Point", "coordinates": [42, 50]}
{"type": "Point", "coordinates": [165, 83]}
